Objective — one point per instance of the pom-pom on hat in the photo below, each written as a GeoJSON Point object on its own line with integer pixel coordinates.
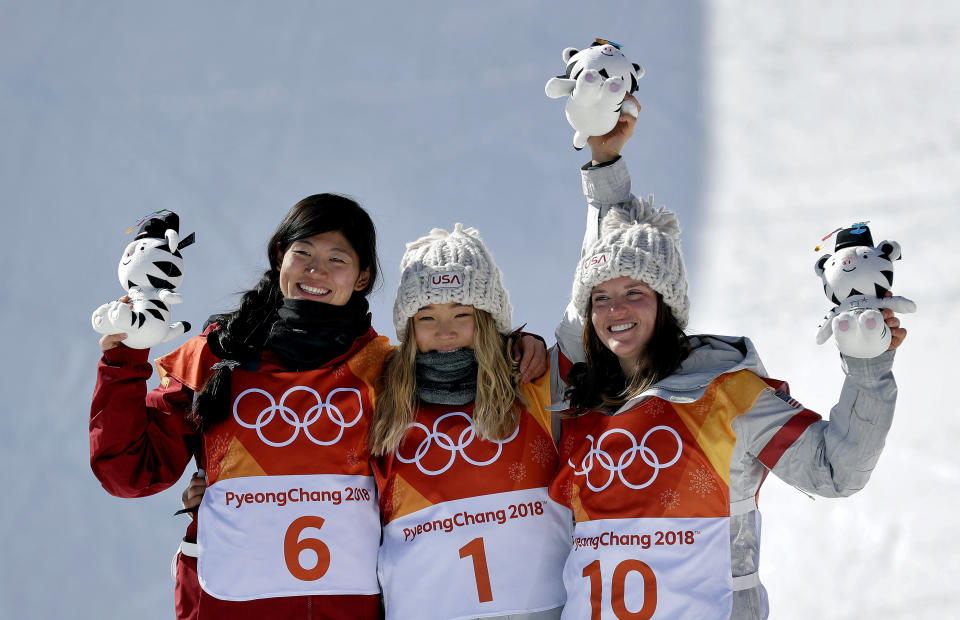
{"type": "Point", "coordinates": [447, 267]}
{"type": "Point", "coordinates": [644, 244]}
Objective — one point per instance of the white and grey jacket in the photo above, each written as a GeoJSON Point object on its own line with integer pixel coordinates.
{"type": "Point", "coordinates": [830, 458]}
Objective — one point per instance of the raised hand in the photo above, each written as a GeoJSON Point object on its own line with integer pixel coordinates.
{"type": "Point", "coordinates": [608, 146]}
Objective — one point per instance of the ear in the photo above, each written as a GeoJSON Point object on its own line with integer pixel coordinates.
{"type": "Point", "coordinates": [568, 53]}
{"type": "Point", "coordinates": [173, 239]}
{"type": "Point", "coordinates": [559, 87]}
{"type": "Point", "coordinates": [889, 249]}
{"type": "Point", "coordinates": [639, 70]}
{"type": "Point", "coordinates": [362, 280]}
{"type": "Point", "coordinates": [818, 267]}
{"type": "Point", "coordinates": [279, 256]}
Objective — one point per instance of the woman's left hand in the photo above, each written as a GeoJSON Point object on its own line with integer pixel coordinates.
{"type": "Point", "coordinates": [607, 147]}
{"type": "Point", "coordinates": [193, 494]}
{"type": "Point", "coordinates": [531, 352]}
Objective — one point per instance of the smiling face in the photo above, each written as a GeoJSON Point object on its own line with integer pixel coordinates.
{"type": "Point", "coordinates": [324, 267]}
{"type": "Point", "coordinates": [858, 270]}
{"type": "Point", "coordinates": [624, 313]}
{"type": "Point", "coordinates": [606, 59]}
{"type": "Point", "coordinates": [444, 327]}
{"type": "Point", "coordinates": [148, 262]}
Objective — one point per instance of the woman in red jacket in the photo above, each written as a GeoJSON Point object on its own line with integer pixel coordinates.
{"type": "Point", "coordinates": [274, 401]}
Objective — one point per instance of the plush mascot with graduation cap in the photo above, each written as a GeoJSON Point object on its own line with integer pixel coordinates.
{"type": "Point", "coordinates": [150, 269]}
{"type": "Point", "coordinates": [596, 82]}
{"type": "Point", "coordinates": [857, 277]}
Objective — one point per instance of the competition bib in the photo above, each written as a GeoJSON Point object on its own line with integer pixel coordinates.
{"type": "Point", "coordinates": [490, 555]}
{"type": "Point", "coordinates": [270, 536]}
{"type": "Point", "coordinates": [649, 568]}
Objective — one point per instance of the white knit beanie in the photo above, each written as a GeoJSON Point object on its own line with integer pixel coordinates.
{"type": "Point", "coordinates": [644, 244]}
{"type": "Point", "coordinates": [447, 267]}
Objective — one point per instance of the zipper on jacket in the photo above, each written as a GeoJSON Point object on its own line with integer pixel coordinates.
{"type": "Point", "coordinates": [680, 400]}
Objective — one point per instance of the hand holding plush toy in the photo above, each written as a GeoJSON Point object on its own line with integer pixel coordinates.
{"type": "Point", "coordinates": [856, 277]}
{"type": "Point", "coordinates": [596, 82]}
{"type": "Point", "coordinates": [150, 269]}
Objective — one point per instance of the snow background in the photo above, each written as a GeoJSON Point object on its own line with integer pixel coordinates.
{"type": "Point", "coordinates": [764, 125]}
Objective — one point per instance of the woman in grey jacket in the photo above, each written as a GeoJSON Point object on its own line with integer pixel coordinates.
{"type": "Point", "coordinates": [668, 437]}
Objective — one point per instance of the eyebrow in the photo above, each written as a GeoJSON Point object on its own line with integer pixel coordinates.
{"type": "Point", "coordinates": [434, 306]}
{"type": "Point", "coordinates": [333, 249]}
{"type": "Point", "coordinates": [640, 285]}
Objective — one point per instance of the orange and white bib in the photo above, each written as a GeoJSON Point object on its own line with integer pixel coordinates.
{"type": "Point", "coordinates": [469, 528]}
{"type": "Point", "coordinates": [650, 491]}
{"type": "Point", "coordinates": [290, 508]}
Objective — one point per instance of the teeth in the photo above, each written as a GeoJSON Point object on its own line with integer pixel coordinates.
{"type": "Point", "coordinates": [314, 291]}
{"type": "Point", "coordinates": [621, 328]}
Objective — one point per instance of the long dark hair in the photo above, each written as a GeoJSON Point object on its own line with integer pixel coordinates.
{"type": "Point", "coordinates": [243, 332]}
{"type": "Point", "coordinates": [599, 382]}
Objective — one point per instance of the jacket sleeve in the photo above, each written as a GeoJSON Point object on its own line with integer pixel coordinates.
{"type": "Point", "coordinates": [605, 187]}
{"type": "Point", "coordinates": [829, 458]}
{"type": "Point", "coordinates": [140, 442]}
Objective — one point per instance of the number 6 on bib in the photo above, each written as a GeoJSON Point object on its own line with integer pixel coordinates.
{"type": "Point", "coordinates": [293, 545]}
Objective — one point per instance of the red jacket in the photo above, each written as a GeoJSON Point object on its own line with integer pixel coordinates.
{"type": "Point", "coordinates": [141, 442]}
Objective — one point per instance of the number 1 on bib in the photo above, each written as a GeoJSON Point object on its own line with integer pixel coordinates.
{"type": "Point", "coordinates": [481, 574]}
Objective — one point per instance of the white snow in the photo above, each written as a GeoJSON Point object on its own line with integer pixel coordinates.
{"type": "Point", "coordinates": [823, 114]}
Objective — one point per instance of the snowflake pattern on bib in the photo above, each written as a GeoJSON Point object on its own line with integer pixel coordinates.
{"type": "Point", "coordinates": [670, 499]}
{"type": "Point", "coordinates": [702, 482]}
{"type": "Point", "coordinates": [542, 452]}
{"type": "Point", "coordinates": [517, 472]}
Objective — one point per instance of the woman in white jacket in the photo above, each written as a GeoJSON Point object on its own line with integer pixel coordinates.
{"type": "Point", "coordinates": [668, 437]}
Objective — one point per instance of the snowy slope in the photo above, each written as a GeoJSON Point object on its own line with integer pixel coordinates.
{"type": "Point", "coordinates": [765, 127]}
{"type": "Point", "coordinates": [821, 116]}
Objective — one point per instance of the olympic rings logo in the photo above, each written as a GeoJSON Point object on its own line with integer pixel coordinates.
{"type": "Point", "coordinates": [291, 417]}
{"type": "Point", "coordinates": [445, 442]}
{"type": "Point", "coordinates": [626, 458]}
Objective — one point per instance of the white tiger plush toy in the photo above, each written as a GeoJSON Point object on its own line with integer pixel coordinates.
{"type": "Point", "coordinates": [856, 277]}
{"type": "Point", "coordinates": [150, 269]}
{"type": "Point", "coordinates": [596, 82]}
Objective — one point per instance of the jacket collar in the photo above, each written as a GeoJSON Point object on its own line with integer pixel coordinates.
{"type": "Point", "coordinates": [710, 357]}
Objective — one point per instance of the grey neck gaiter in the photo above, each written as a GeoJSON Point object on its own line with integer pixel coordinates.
{"type": "Point", "coordinates": [447, 378]}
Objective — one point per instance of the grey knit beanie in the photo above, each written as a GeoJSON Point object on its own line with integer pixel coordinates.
{"type": "Point", "coordinates": [642, 243]}
{"type": "Point", "coordinates": [446, 267]}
